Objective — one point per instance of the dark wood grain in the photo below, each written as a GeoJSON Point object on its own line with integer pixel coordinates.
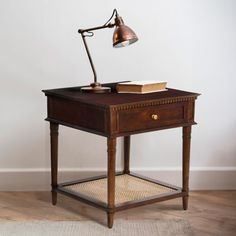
{"type": "Point", "coordinates": [54, 159]}
{"type": "Point", "coordinates": [111, 168]}
{"type": "Point", "coordinates": [126, 154]}
{"type": "Point", "coordinates": [77, 113]}
{"type": "Point", "coordinates": [113, 115]}
{"type": "Point", "coordinates": [186, 163]}
{"type": "Point", "coordinates": [114, 98]}
{"type": "Point", "coordinates": [141, 118]}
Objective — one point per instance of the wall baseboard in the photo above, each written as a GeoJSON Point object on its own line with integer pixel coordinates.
{"type": "Point", "coordinates": [39, 179]}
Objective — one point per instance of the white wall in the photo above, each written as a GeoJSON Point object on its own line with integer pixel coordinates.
{"type": "Point", "coordinates": [191, 44]}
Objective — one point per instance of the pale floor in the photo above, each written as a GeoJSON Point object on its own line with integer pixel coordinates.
{"type": "Point", "coordinates": [209, 213]}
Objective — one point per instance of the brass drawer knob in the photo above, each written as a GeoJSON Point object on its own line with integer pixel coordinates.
{"type": "Point", "coordinates": [155, 117]}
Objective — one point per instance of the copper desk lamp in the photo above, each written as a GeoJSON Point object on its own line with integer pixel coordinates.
{"type": "Point", "coordinates": [122, 36]}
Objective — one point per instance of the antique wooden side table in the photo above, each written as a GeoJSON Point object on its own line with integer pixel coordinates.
{"type": "Point", "coordinates": [113, 115]}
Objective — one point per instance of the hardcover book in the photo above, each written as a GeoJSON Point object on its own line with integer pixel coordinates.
{"type": "Point", "coordinates": [142, 86]}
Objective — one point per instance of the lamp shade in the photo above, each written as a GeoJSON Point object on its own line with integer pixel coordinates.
{"type": "Point", "coordinates": [123, 35]}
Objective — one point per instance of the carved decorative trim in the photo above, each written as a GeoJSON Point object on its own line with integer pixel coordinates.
{"type": "Point", "coordinates": [152, 103]}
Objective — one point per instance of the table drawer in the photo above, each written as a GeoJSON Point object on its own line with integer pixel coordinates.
{"type": "Point", "coordinates": [150, 117]}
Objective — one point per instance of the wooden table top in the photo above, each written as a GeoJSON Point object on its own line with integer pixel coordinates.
{"type": "Point", "coordinates": [114, 98]}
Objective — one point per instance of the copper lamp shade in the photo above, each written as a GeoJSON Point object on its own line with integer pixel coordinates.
{"type": "Point", "coordinates": [123, 35]}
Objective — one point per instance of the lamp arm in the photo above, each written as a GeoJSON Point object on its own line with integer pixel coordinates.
{"type": "Point", "coordinates": [110, 25]}
{"type": "Point", "coordinates": [82, 31]}
{"type": "Point", "coordinates": [90, 58]}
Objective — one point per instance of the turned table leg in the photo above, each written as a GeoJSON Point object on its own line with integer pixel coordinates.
{"type": "Point", "coordinates": [54, 159]}
{"type": "Point", "coordinates": [111, 150]}
{"type": "Point", "coordinates": [186, 161]}
{"type": "Point", "coordinates": [126, 155]}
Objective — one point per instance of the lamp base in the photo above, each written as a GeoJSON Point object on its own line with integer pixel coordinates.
{"type": "Point", "coordinates": [95, 88]}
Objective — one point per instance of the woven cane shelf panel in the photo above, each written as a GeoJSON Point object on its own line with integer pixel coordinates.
{"type": "Point", "coordinates": [128, 188]}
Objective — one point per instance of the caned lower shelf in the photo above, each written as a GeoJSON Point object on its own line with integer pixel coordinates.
{"type": "Point", "coordinates": [128, 189]}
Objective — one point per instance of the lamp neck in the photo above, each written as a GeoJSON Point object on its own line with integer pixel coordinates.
{"type": "Point", "coordinates": [119, 21]}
